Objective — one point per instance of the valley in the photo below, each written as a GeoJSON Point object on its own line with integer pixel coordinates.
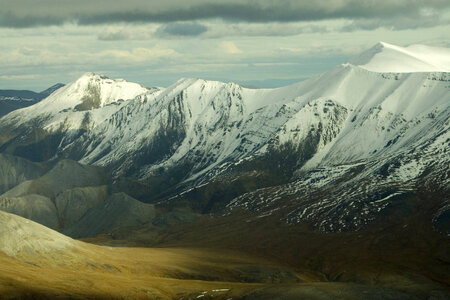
{"type": "Point", "coordinates": [212, 257]}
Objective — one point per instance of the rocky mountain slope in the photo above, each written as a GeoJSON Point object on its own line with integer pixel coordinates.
{"type": "Point", "coordinates": [15, 170]}
{"type": "Point", "coordinates": [71, 198]}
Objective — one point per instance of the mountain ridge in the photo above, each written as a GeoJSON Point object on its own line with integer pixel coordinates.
{"type": "Point", "coordinates": [384, 57]}
{"type": "Point", "coordinates": [11, 100]}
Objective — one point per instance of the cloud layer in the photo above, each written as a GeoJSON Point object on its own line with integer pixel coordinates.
{"type": "Point", "coordinates": [30, 13]}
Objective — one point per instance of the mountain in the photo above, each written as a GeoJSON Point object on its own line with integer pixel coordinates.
{"type": "Point", "coordinates": [19, 95]}
{"type": "Point", "coordinates": [352, 122]}
{"type": "Point", "coordinates": [11, 100]}
{"type": "Point", "coordinates": [390, 126]}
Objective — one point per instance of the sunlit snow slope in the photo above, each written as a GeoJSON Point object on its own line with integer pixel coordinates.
{"type": "Point", "coordinates": [384, 57]}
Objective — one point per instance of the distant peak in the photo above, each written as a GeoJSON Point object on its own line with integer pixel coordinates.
{"type": "Point", "coordinates": [384, 58]}
{"type": "Point", "coordinates": [51, 89]}
{"type": "Point", "coordinates": [384, 44]}
{"type": "Point", "coordinates": [57, 85]}
{"type": "Point", "coordinates": [91, 91]}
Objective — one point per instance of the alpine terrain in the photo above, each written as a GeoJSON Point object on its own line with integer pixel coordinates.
{"type": "Point", "coordinates": [334, 187]}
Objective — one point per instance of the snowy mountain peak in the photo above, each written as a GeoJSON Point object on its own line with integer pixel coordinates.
{"type": "Point", "coordinates": [70, 103]}
{"type": "Point", "coordinates": [94, 78]}
{"type": "Point", "coordinates": [101, 80]}
{"type": "Point", "coordinates": [388, 58]}
{"type": "Point", "coordinates": [93, 75]}
{"type": "Point", "coordinates": [92, 91]}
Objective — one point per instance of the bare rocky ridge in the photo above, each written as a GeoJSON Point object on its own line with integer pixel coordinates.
{"type": "Point", "coordinates": [14, 170]}
{"type": "Point", "coordinates": [21, 237]}
{"type": "Point", "coordinates": [75, 199]}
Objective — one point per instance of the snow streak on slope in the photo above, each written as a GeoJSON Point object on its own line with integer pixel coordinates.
{"type": "Point", "coordinates": [347, 196]}
{"type": "Point", "coordinates": [385, 57]}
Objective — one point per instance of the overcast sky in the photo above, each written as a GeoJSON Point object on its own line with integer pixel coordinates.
{"type": "Point", "coordinates": [263, 43]}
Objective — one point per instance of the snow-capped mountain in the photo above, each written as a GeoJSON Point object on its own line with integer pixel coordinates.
{"type": "Point", "coordinates": [384, 112]}
{"type": "Point", "coordinates": [68, 104]}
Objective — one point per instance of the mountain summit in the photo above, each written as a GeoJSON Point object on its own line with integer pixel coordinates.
{"type": "Point", "coordinates": [384, 57]}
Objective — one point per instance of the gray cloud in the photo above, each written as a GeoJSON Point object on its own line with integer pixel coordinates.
{"type": "Point", "coordinates": [12, 20]}
{"type": "Point", "coordinates": [427, 19]}
{"type": "Point", "coordinates": [266, 29]}
{"type": "Point", "coordinates": [27, 13]}
{"type": "Point", "coordinates": [182, 29]}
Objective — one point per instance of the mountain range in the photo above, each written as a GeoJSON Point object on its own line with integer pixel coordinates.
{"type": "Point", "coordinates": [14, 99]}
{"type": "Point", "coordinates": [359, 149]}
